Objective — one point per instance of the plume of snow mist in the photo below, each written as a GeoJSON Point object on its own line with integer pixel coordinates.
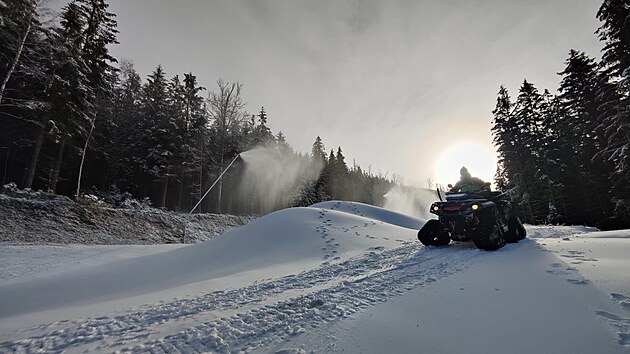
{"type": "Point", "coordinates": [273, 177]}
{"type": "Point", "coordinates": [413, 201]}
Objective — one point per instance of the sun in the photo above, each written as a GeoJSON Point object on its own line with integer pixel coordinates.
{"type": "Point", "coordinates": [480, 160]}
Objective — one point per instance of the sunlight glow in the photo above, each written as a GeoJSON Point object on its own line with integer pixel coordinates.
{"type": "Point", "coordinates": [480, 160]}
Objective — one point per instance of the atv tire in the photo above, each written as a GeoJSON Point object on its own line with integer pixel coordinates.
{"type": "Point", "coordinates": [516, 230]}
{"type": "Point", "coordinates": [433, 234]}
{"type": "Point", "coordinates": [488, 235]}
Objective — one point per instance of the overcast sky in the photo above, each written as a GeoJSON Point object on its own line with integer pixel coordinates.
{"type": "Point", "coordinates": [392, 82]}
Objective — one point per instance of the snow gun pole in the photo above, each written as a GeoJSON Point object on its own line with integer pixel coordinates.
{"type": "Point", "coordinates": [213, 184]}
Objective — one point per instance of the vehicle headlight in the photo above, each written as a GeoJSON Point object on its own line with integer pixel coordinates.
{"type": "Point", "coordinates": [435, 208]}
{"type": "Point", "coordinates": [474, 207]}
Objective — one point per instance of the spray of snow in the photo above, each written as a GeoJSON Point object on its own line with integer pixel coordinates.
{"type": "Point", "coordinates": [413, 201]}
{"type": "Point", "coordinates": [274, 177]}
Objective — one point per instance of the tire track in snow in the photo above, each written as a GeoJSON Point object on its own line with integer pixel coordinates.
{"type": "Point", "coordinates": [401, 270]}
{"type": "Point", "coordinates": [275, 310]}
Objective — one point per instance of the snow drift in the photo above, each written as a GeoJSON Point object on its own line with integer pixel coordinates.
{"type": "Point", "coordinates": [333, 277]}
{"type": "Point", "coordinates": [284, 242]}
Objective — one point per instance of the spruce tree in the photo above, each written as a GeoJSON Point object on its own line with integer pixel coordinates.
{"type": "Point", "coordinates": [153, 134]}
{"type": "Point", "coordinates": [580, 138]}
{"type": "Point", "coordinates": [282, 144]}
{"type": "Point", "coordinates": [318, 153]}
{"type": "Point", "coordinates": [25, 51]}
{"type": "Point", "coordinates": [340, 176]}
{"type": "Point", "coordinates": [502, 130]}
{"type": "Point", "coordinates": [19, 22]}
{"type": "Point", "coordinates": [122, 146]}
{"type": "Point", "coordinates": [615, 33]}
{"type": "Point", "coordinates": [262, 133]}
{"type": "Point", "coordinates": [70, 92]}
{"type": "Point", "coordinates": [525, 135]}
{"type": "Point", "coordinates": [317, 191]}
{"type": "Point", "coordinates": [99, 33]}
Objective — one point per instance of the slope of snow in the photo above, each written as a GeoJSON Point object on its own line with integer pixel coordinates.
{"type": "Point", "coordinates": [333, 277]}
{"type": "Point", "coordinates": [515, 300]}
{"type": "Point", "coordinates": [20, 262]}
{"type": "Point", "coordinates": [286, 242]}
{"type": "Point", "coordinates": [374, 213]}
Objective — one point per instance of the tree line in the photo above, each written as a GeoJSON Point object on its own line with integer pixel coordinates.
{"type": "Point", "coordinates": [565, 157]}
{"type": "Point", "coordinates": [76, 120]}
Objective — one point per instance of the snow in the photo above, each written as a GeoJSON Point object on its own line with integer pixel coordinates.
{"type": "Point", "coordinates": [336, 276]}
{"type": "Point", "coordinates": [38, 217]}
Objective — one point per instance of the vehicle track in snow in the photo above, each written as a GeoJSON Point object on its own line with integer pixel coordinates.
{"type": "Point", "coordinates": [255, 316]}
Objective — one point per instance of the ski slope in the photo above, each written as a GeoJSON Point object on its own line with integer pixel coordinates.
{"type": "Point", "coordinates": [336, 276]}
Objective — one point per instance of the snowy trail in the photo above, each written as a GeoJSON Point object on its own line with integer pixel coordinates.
{"type": "Point", "coordinates": [509, 301]}
{"type": "Point", "coordinates": [307, 279]}
{"type": "Point", "coordinates": [309, 299]}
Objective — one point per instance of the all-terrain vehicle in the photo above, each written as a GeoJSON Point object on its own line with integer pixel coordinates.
{"type": "Point", "coordinates": [483, 217]}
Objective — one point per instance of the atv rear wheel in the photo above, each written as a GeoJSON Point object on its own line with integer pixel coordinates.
{"type": "Point", "coordinates": [433, 234]}
{"type": "Point", "coordinates": [516, 230]}
{"type": "Point", "coordinates": [488, 235]}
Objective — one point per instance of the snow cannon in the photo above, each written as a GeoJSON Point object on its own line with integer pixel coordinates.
{"type": "Point", "coordinates": [215, 183]}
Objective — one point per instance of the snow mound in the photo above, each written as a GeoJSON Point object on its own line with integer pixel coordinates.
{"type": "Point", "coordinates": [373, 212]}
{"type": "Point", "coordinates": [285, 242]}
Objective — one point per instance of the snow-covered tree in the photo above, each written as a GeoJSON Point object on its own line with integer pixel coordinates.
{"type": "Point", "coordinates": [615, 33]}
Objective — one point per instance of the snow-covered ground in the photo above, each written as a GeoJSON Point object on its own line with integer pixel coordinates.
{"type": "Point", "coordinates": [29, 217]}
{"type": "Point", "coordinates": [333, 277]}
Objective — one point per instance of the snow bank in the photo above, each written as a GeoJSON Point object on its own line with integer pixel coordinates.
{"type": "Point", "coordinates": [37, 217]}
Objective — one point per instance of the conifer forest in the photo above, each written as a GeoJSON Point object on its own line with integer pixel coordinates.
{"type": "Point", "coordinates": [565, 156]}
{"type": "Point", "coordinates": [75, 120]}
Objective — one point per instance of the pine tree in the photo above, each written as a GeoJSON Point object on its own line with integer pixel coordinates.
{"type": "Point", "coordinates": [340, 175]}
{"type": "Point", "coordinates": [194, 141]}
{"type": "Point", "coordinates": [19, 20]}
{"type": "Point", "coordinates": [153, 133]}
{"type": "Point", "coordinates": [100, 32]}
{"type": "Point", "coordinates": [579, 139]}
{"type": "Point", "coordinates": [187, 121]}
{"type": "Point", "coordinates": [262, 133]}
{"type": "Point", "coordinates": [522, 140]}
{"type": "Point", "coordinates": [70, 94]}
{"type": "Point", "coordinates": [615, 33]}
{"type": "Point", "coordinates": [502, 130]}
{"type": "Point", "coordinates": [317, 190]}
{"type": "Point", "coordinates": [121, 147]}
{"type": "Point", "coordinates": [282, 144]}
{"type": "Point", "coordinates": [25, 54]}
{"type": "Point", "coordinates": [318, 153]}
{"type": "Point", "coordinates": [552, 168]}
